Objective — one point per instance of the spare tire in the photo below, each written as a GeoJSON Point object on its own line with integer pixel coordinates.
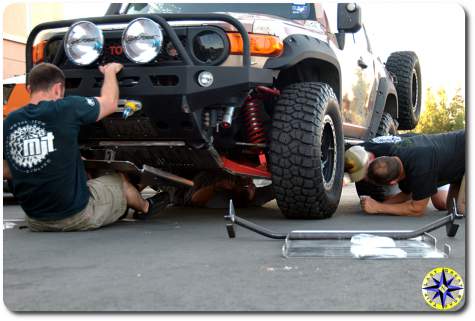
{"type": "Point", "coordinates": [405, 66]}
{"type": "Point", "coordinates": [386, 127]}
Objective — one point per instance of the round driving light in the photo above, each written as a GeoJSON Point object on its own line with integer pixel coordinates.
{"type": "Point", "coordinates": [208, 46]}
{"type": "Point", "coordinates": [142, 40]}
{"type": "Point", "coordinates": [83, 43]}
{"type": "Point", "coordinates": [205, 79]}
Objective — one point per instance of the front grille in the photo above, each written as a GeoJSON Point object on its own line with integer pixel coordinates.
{"type": "Point", "coordinates": [113, 52]}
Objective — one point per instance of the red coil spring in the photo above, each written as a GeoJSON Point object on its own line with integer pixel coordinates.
{"type": "Point", "coordinates": [252, 117]}
{"type": "Point", "coordinates": [252, 114]}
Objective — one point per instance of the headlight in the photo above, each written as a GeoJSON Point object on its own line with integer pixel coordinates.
{"type": "Point", "coordinates": [142, 40]}
{"type": "Point", "coordinates": [210, 47]}
{"type": "Point", "coordinates": [83, 43]}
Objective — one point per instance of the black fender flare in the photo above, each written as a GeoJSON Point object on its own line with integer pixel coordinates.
{"type": "Point", "coordinates": [385, 88]}
{"type": "Point", "coordinates": [300, 47]}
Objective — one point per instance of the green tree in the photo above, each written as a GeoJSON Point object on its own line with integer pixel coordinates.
{"type": "Point", "coordinates": [439, 115]}
{"type": "Point", "coordinates": [457, 110]}
{"type": "Point", "coordinates": [357, 113]}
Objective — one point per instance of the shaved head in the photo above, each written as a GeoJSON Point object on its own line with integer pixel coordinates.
{"type": "Point", "coordinates": [384, 170]}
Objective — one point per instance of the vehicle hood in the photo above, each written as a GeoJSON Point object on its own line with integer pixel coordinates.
{"type": "Point", "coordinates": [263, 24]}
{"type": "Point", "coordinates": [252, 22]}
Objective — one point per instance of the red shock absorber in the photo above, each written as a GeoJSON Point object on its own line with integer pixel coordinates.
{"type": "Point", "coordinates": [252, 114]}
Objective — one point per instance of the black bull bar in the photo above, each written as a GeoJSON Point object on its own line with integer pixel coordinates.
{"type": "Point", "coordinates": [230, 87]}
{"type": "Point", "coordinates": [175, 103]}
{"type": "Point", "coordinates": [161, 19]}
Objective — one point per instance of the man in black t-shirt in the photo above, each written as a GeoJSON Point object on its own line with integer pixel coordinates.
{"type": "Point", "coordinates": [43, 163]}
{"type": "Point", "coordinates": [419, 164]}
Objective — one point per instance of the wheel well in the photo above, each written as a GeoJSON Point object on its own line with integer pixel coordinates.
{"type": "Point", "coordinates": [391, 106]}
{"type": "Point", "coordinates": [311, 70]}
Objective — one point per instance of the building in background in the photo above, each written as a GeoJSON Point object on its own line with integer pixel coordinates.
{"type": "Point", "coordinates": [18, 20]}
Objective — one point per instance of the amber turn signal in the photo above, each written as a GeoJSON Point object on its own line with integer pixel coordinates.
{"type": "Point", "coordinates": [260, 45]}
{"type": "Point", "coordinates": [38, 52]}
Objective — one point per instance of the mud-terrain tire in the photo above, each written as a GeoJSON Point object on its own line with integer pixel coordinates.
{"type": "Point", "coordinates": [306, 151]}
{"type": "Point", "coordinates": [386, 127]}
{"type": "Point", "coordinates": [405, 66]}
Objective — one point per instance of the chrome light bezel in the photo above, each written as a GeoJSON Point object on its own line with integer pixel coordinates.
{"type": "Point", "coordinates": [68, 45]}
{"type": "Point", "coordinates": [158, 37]}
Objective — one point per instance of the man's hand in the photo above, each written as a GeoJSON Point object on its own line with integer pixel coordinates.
{"type": "Point", "coordinates": [369, 205]}
{"type": "Point", "coordinates": [408, 208]}
{"type": "Point", "coordinates": [113, 67]}
{"type": "Point", "coordinates": [110, 89]}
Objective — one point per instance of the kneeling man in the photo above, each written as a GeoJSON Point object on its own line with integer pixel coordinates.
{"type": "Point", "coordinates": [419, 164]}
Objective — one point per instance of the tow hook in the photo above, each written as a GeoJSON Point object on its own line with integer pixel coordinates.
{"type": "Point", "coordinates": [130, 108]}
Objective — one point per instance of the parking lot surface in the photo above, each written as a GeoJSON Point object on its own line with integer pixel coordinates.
{"type": "Point", "coordinates": [184, 261]}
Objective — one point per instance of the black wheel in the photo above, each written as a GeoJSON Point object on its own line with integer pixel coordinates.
{"type": "Point", "coordinates": [405, 66]}
{"type": "Point", "coordinates": [387, 126]}
{"type": "Point", "coordinates": [306, 151]}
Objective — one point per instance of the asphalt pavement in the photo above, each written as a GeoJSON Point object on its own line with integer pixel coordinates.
{"type": "Point", "coordinates": [184, 261]}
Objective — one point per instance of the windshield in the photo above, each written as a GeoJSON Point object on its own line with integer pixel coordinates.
{"type": "Point", "coordinates": [293, 11]}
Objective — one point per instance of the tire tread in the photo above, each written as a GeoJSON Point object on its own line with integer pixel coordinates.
{"type": "Point", "coordinates": [402, 64]}
{"type": "Point", "coordinates": [294, 160]}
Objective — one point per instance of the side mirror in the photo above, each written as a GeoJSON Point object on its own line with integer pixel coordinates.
{"type": "Point", "coordinates": [349, 17]}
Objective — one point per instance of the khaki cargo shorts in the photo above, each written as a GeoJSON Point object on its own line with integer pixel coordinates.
{"type": "Point", "coordinates": [106, 205]}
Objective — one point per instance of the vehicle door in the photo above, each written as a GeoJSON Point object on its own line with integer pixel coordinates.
{"type": "Point", "coordinates": [358, 80]}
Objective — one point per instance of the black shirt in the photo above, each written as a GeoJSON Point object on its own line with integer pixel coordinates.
{"type": "Point", "coordinates": [429, 161]}
{"type": "Point", "coordinates": [41, 147]}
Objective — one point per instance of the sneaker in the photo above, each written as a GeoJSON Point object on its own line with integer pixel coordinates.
{"type": "Point", "coordinates": [156, 203]}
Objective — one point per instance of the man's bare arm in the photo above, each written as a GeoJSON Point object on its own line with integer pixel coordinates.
{"type": "Point", "coordinates": [408, 208]}
{"type": "Point", "coordinates": [6, 171]}
{"type": "Point", "coordinates": [397, 198]}
{"type": "Point", "coordinates": [110, 90]}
